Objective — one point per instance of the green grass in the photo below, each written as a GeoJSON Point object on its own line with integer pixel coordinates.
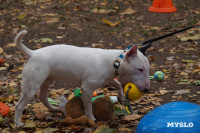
{"type": "Point", "coordinates": [53, 25]}
{"type": "Point", "coordinates": [172, 25]}
{"type": "Point", "coordinates": [193, 20]}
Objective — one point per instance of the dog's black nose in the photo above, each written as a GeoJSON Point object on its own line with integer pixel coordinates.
{"type": "Point", "coordinates": [146, 90]}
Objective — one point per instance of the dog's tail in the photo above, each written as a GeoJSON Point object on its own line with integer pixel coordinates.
{"type": "Point", "coordinates": [18, 42]}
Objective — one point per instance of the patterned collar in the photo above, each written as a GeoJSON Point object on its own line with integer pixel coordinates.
{"type": "Point", "coordinates": [119, 60]}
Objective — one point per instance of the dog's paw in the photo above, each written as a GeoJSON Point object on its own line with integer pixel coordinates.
{"type": "Point", "coordinates": [18, 125]}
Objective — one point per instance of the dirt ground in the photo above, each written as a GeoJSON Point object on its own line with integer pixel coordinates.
{"type": "Point", "coordinates": [79, 23]}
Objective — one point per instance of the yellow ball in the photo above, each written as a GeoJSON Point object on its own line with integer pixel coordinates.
{"type": "Point", "coordinates": [134, 93]}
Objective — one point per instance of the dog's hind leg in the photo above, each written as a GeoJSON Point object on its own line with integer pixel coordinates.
{"type": "Point", "coordinates": [43, 96]}
{"type": "Point", "coordinates": [31, 82]}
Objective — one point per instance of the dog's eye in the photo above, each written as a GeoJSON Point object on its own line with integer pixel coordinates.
{"type": "Point", "coordinates": [141, 70]}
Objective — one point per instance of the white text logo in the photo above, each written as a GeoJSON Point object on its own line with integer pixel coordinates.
{"type": "Point", "coordinates": [179, 124]}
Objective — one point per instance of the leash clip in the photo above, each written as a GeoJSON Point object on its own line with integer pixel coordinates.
{"type": "Point", "coordinates": [127, 103]}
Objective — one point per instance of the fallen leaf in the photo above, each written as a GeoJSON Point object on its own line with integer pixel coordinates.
{"type": "Point", "coordinates": [21, 132]}
{"type": "Point", "coordinates": [196, 70]}
{"type": "Point", "coordinates": [2, 68]}
{"type": "Point", "coordinates": [50, 14]}
{"type": "Point", "coordinates": [110, 23]}
{"type": "Point", "coordinates": [132, 117]}
{"type": "Point", "coordinates": [188, 61]}
{"type": "Point", "coordinates": [156, 103]}
{"type": "Point", "coordinates": [128, 11]}
{"type": "Point", "coordinates": [59, 37]}
{"type": "Point", "coordinates": [11, 45]}
{"type": "Point", "coordinates": [70, 97]}
{"type": "Point", "coordinates": [195, 11]}
{"type": "Point", "coordinates": [146, 109]}
{"type": "Point", "coordinates": [21, 16]}
{"type": "Point", "coordinates": [105, 129]}
{"type": "Point", "coordinates": [76, 26]}
{"type": "Point", "coordinates": [152, 58]}
{"type": "Point", "coordinates": [8, 56]}
{"type": "Point", "coordinates": [163, 92]}
{"type": "Point", "coordinates": [49, 130]}
{"type": "Point", "coordinates": [161, 50]}
{"type": "Point", "coordinates": [95, 10]}
{"type": "Point", "coordinates": [43, 40]}
{"type": "Point", "coordinates": [184, 73]}
{"type": "Point", "coordinates": [38, 131]}
{"type": "Point", "coordinates": [40, 110]}
{"type": "Point", "coordinates": [102, 11]}
{"type": "Point", "coordinates": [52, 20]}
{"type": "Point", "coordinates": [74, 128]}
{"type": "Point", "coordinates": [97, 45]}
{"type": "Point", "coordinates": [5, 130]}
{"type": "Point", "coordinates": [153, 65]}
{"type": "Point", "coordinates": [190, 38]}
{"type": "Point", "coordinates": [29, 123]}
{"type": "Point", "coordinates": [10, 98]}
{"type": "Point", "coordinates": [184, 82]}
{"type": "Point", "coordinates": [12, 83]}
{"type": "Point", "coordinates": [120, 110]}
{"type": "Point", "coordinates": [180, 92]}
{"type": "Point", "coordinates": [197, 82]}
{"type": "Point", "coordinates": [118, 47]}
{"type": "Point", "coordinates": [1, 118]}
{"type": "Point", "coordinates": [155, 28]}
{"type": "Point", "coordinates": [170, 58]}
{"type": "Point", "coordinates": [159, 100]}
{"type": "Point", "coordinates": [1, 24]}
{"type": "Point", "coordinates": [124, 130]}
{"type": "Point", "coordinates": [192, 96]}
{"type": "Point", "coordinates": [12, 125]}
{"type": "Point", "coordinates": [1, 50]}
{"type": "Point", "coordinates": [29, 2]}
{"type": "Point", "coordinates": [57, 92]}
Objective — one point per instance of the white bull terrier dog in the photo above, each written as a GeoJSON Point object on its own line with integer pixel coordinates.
{"type": "Point", "coordinates": [88, 68]}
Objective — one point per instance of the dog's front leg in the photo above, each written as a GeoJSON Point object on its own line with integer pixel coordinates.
{"type": "Point", "coordinates": [119, 88]}
{"type": "Point", "coordinates": [87, 89]}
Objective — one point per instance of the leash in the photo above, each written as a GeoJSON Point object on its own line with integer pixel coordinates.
{"type": "Point", "coordinates": [167, 35]}
{"type": "Point", "coordinates": [146, 44]}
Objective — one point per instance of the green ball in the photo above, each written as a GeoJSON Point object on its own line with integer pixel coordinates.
{"type": "Point", "coordinates": [159, 76]}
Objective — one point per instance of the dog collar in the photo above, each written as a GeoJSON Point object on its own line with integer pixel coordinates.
{"type": "Point", "coordinates": [119, 60]}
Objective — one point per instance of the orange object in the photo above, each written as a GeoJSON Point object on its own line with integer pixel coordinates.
{"type": "Point", "coordinates": [163, 6]}
{"type": "Point", "coordinates": [2, 61]}
{"type": "Point", "coordinates": [4, 109]}
{"type": "Point", "coordinates": [94, 94]}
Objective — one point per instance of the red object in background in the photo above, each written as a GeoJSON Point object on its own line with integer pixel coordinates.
{"type": "Point", "coordinates": [94, 94]}
{"type": "Point", "coordinates": [4, 109]}
{"type": "Point", "coordinates": [2, 61]}
{"type": "Point", "coordinates": [162, 6]}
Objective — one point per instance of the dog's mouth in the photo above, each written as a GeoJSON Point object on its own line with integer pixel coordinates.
{"type": "Point", "coordinates": [124, 84]}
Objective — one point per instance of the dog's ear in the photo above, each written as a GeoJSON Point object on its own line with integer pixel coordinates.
{"type": "Point", "coordinates": [132, 51]}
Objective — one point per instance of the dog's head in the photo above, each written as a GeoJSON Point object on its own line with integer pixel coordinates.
{"type": "Point", "coordinates": [135, 69]}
